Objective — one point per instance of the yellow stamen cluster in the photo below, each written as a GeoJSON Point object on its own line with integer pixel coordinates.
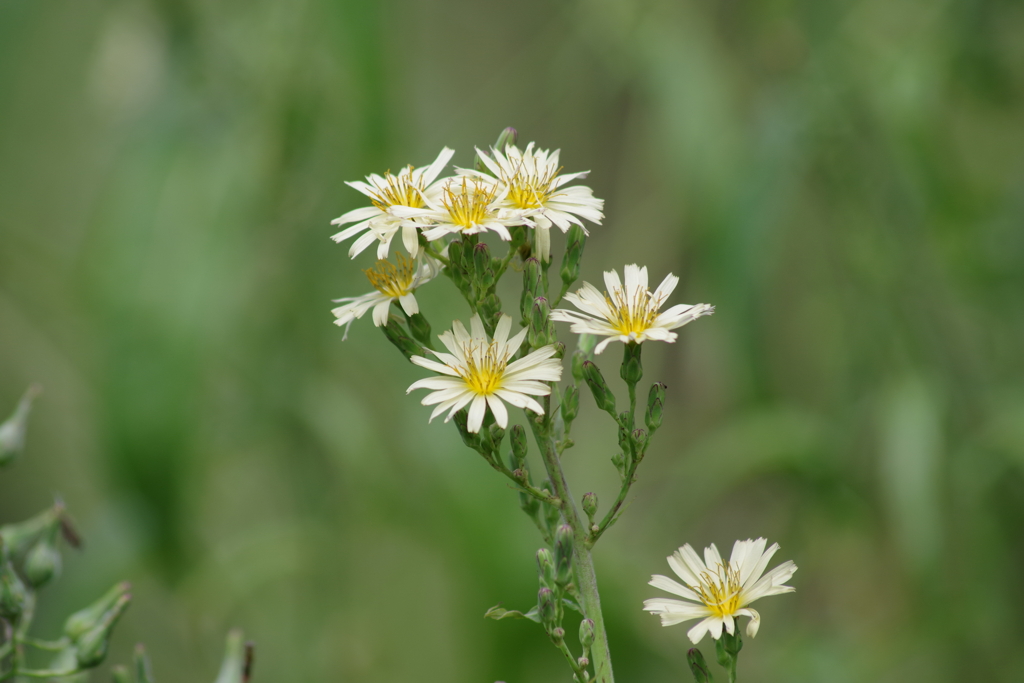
{"type": "Point", "coordinates": [398, 190]}
{"type": "Point", "coordinates": [470, 206]}
{"type": "Point", "coordinates": [530, 189]}
{"type": "Point", "coordinates": [632, 315]}
{"type": "Point", "coordinates": [484, 371]}
{"type": "Point", "coordinates": [391, 280]}
{"type": "Point", "coordinates": [720, 592]}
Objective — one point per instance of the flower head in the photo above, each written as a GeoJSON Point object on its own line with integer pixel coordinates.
{"type": "Point", "coordinates": [717, 591]}
{"type": "Point", "coordinates": [535, 189]}
{"type": "Point", "coordinates": [390, 283]}
{"type": "Point", "coordinates": [477, 373]}
{"type": "Point", "coordinates": [389, 194]}
{"type": "Point", "coordinates": [628, 313]}
{"type": "Point", "coordinates": [466, 205]}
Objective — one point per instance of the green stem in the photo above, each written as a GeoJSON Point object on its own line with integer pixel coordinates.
{"type": "Point", "coordinates": [586, 577]}
{"type": "Point", "coordinates": [430, 249]}
{"type": "Point", "coordinates": [51, 645]}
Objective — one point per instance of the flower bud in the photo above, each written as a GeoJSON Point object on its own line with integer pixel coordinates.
{"type": "Point", "coordinates": [12, 431]}
{"type": "Point", "coordinates": [143, 671]}
{"type": "Point", "coordinates": [13, 596]}
{"type": "Point", "coordinates": [603, 396]}
{"type": "Point", "coordinates": [573, 253]}
{"type": "Point", "coordinates": [538, 334]}
{"type": "Point", "coordinates": [43, 561]}
{"type": "Point", "coordinates": [462, 424]}
{"type": "Point", "coordinates": [547, 607]}
{"type": "Point", "coordinates": [590, 505]}
{"type": "Point", "coordinates": [533, 286]}
{"type": "Point", "coordinates": [570, 403]}
{"type": "Point", "coordinates": [563, 554]}
{"type": "Point", "coordinates": [578, 358]}
{"type": "Point", "coordinates": [91, 646]}
{"type": "Point", "coordinates": [546, 567]}
{"type": "Point", "coordinates": [582, 662]}
{"type": "Point", "coordinates": [420, 328]}
{"type": "Point", "coordinates": [558, 634]}
{"type": "Point", "coordinates": [497, 435]}
{"type": "Point", "coordinates": [237, 664]}
{"type": "Point", "coordinates": [456, 262]}
{"type": "Point", "coordinates": [624, 440]}
{"type": "Point", "coordinates": [519, 446]}
{"type": "Point", "coordinates": [699, 667]}
{"type": "Point", "coordinates": [632, 369]}
{"type": "Point", "coordinates": [396, 334]}
{"type": "Point", "coordinates": [586, 634]}
{"type": "Point", "coordinates": [87, 618]}
{"type": "Point", "coordinates": [655, 406]}
{"type": "Point", "coordinates": [19, 538]}
{"type": "Point", "coordinates": [728, 647]}
{"type": "Point", "coordinates": [639, 442]}
{"type": "Point", "coordinates": [120, 674]}
{"type": "Point", "coordinates": [482, 266]}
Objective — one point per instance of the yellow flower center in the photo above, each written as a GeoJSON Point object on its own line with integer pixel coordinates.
{"type": "Point", "coordinates": [469, 204]}
{"type": "Point", "coordinates": [398, 190]}
{"type": "Point", "coordinates": [484, 371]}
{"type": "Point", "coordinates": [390, 280]}
{"type": "Point", "coordinates": [720, 591]}
{"type": "Point", "coordinates": [528, 189]}
{"type": "Point", "coordinates": [632, 315]}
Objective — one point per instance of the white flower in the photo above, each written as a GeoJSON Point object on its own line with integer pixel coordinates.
{"type": "Point", "coordinates": [466, 205]}
{"type": "Point", "coordinates": [628, 313]}
{"type": "Point", "coordinates": [535, 189]}
{"type": "Point", "coordinates": [388, 192]}
{"type": "Point", "coordinates": [391, 283]}
{"type": "Point", "coordinates": [719, 590]}
{"type": "Point", "coordinates": [477, 373]}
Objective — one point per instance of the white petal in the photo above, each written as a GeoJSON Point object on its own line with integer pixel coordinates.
{"type": "Point", "coordinates": [498, 410]}
{"type": "Point", "coordinates": [380, 313]}
{"type": "Point", "coordinates": [667, 584]}
{"type": "Point", "coordinates": [477, 409]}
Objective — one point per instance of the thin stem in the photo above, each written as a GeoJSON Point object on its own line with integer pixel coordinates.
{"type": "Point", "coordinates": [44, 673]}
{"type": "Point", "coordinates": [581, 673]}
{"type": "Point", "coordinates": [429, 248]}
{"type": "Point", "coordinates": [51, 645]}
{"type": "Point", "coordinates": [586, 578]}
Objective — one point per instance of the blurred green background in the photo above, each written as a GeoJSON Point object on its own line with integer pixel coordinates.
{"type": "Point", "coordinates": [844, 180]}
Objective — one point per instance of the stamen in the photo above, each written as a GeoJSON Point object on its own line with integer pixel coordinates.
{"type": "Point", "coordinates": [632, 315]}
{"type": "Point", "coordinates": [471, 206]}
{"type": "Point", "coordinates": [398, 190]}
{"type": "Point", "coordinates": [720, 591]}
{"type": "Point", "coordinates": [485, 368]}
{"type": "Point", "coordinates": [528, 188]}
{"type": "Point", "coordinates": [390, 280]}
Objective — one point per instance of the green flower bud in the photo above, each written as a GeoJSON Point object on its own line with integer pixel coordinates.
{"type": "Point", "coordinates": [558, 634]}
{"type": "Point", "coordinates": [18, 538]}
{"type": "Point", "coordinates": [120, 674]}
{"type": "Point", "coordinates": [43, 561]}
{"type": "Point", "coordinates": [519, 446]}
{"type": "Point", "coordinates": [563, 554]}
{"type": "Point", "coordinates": [396, 334]}
{"type": "Point", "coordinates": [456, 263]}
{"type": "Point", "coordinates": [482, 266]}
{"type": "Point", "coordinates": [699, 667]}
{"type": "Point", "coordinates": [87, 618]}
{"type": "Point", "coordinates": [237, 664]}
{"type": "Point", "coordinates": [538, 334]}
{"type": "Point", "coordinates": [547, 607]}
{"type": "Point", "coordinates": [655, 406]}
{"type": "Point", "coordinates": [546, 567]}
{"type": "Point", "coordinates": [420, 329]}
{"type": "Point", "coordinates": [640, 442]}
{"type": "Point", "coordinates": [632, 369]}
{"type": "Point", "coordinates": [12, 431]}
{"type": "Point", "coordinates": [570, 403]}
{"type": "Point", "coordinates": [578, 358]}
{"type": "Point", "coordinates": [91, 646]}
{"type": "Point", "coordinates": [586, 634]}
{"type": "Point", "coordinates": [462, 423]}
{"type": "Point", "coordinates": [582, 662]}
{"type": "Point", "coordinates": [497, 435]}
{"type": "Point", "coordinates": [590, 505]}
{"type": "Point", "coordinates": [13, 596]}
{"type": "Point", "coordinates": [533, 286]}
{"type": "Point", "coordinates": [573, 253]}
{"type": "Point", "coordinates": [624, 440]}
{"type": "Point", "coordinates": [603, 396]}
{"type": "Point", "coordinates": [143, 671]}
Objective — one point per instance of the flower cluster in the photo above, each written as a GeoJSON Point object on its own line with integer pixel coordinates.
{"type": "Point", "coordinates": [520, 188]}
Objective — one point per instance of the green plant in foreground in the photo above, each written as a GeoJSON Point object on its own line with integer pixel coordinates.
{"type": "Point", "coordinates": [518, 196]}
{"type": "Point", "coordinates": [29, 559]}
